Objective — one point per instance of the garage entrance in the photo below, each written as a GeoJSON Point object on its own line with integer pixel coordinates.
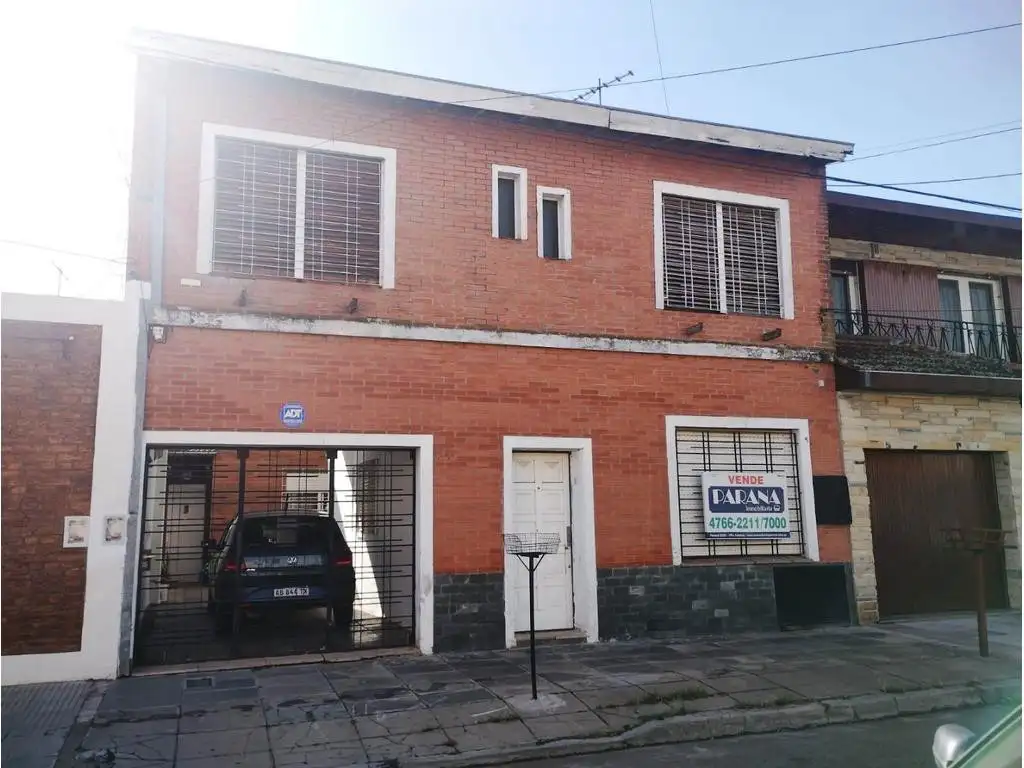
{"type": "Point", "coordinates": [914, 496]}
{"type": "Point", "coordinates": [256, 552]}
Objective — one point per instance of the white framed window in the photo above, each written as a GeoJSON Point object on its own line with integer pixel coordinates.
{"type": "Point", "coordinates": [844, 295]}
{"type": "Point", "coordinates": [972, 316]}
{"type": "Point", "coordinates": [307, 493]}
{"type": "Point", "coordinates": [554, 223]}
{"type": "Point", "coordinates": [508, 202]}
{"type": "Point", "coordinates": [697, 445]}
{"type": "Point", "coordinates": [721, 251]}
{"type": "Point", "coordinates": [279, 205]}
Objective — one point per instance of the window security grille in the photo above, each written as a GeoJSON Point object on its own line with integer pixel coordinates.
{"type": "Point", "coordinates": [287, 212]}
{"type": "Point", "coordinates": [721, 256]}
{"type": "Point", "coordinates": [720, 450]}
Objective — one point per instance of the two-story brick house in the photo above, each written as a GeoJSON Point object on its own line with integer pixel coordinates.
{"type": "Point", "coordinates": [926, 306]}
{"type": "Point", "coordinates": [448, 313]}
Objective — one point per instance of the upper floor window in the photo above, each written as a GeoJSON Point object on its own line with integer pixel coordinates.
{"type": "Point", "coordinates": [554, 223]}
{"type": "Point", "coordinates": [508, 202]}
{"type": "Point", "coordinates": [722, 251]}
{"type": "Point", "coordinates": [972, 315]}
{"type": "Point", "coordinates": [276, 205]}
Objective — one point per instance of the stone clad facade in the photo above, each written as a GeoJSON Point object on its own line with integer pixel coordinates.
{"type": "Point", "coordinates": [871, 420]}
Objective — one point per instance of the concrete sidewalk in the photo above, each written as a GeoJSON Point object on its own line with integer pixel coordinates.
{"type": "Point", "coordinates": [476, 709]}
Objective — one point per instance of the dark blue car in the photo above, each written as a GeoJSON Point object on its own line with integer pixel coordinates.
{"type": "Point", "coordinates": [283, 560]}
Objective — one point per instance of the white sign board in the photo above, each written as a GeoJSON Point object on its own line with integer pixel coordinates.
{"type": "Point", "coordinates": [745, 505]}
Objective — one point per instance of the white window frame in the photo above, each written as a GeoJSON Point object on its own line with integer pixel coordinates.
{"type": "Point", "coordinates": [207, 190]}
{"type": "Point", "coordinates": [518, 175]}
{"type": "Point", "coordinates": [853, 288]}
{"type": "Point", "coordinates": [963, 286]}
{"type": "Point", "coordinates": [805, 474]}
{"type": "Point", "coordinates": [564, 200]}
{"type": "Point", "coordinates": [662, 188]}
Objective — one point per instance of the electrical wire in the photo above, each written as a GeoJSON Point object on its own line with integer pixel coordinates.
{"type": "Point", "coordinates": [38, 247]}
{"type": "Point", "coordinates": [945, 181]}
{"type": "Point", "coordinates": [882, 147]}
{"type": "Point", "coordinates": [966, 200]}
{"type": "Point", "coordinates": [932, 144]}
{"type": "Point", "coordinates": [657, 49]}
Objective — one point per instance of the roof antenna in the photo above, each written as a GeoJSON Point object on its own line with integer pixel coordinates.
{"type": "Point", "coordinates": [601, 85]}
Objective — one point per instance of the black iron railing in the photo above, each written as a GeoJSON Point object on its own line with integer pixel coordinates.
{"type": "Point", "coordinates": [989, 340]}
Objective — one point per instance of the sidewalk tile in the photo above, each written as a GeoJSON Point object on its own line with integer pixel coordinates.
{"type": "Point", "coordinates": [312, 734]}
{"type": "Point", "coordinates": [333, 756]}
{"type": "Point", "coordinates": [612, 697]}
{"type": "Point", "coordinates": [426, 744]}
{"type": "Point", "coordinates": [567, 726]}
{"type": "Point", "coordinates": [490, 736]}
{"type": "Point", "coordinates": [244, 742]}
{"type": "Point", "coordinates": [223, 720]}
{"type": "Point", "coordinates": [738, 683]}
{"type": "Point", "coordinates": [396, 724]}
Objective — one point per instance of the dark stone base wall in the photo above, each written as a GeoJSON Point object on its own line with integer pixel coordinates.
{"type": "Point", "coordinates": [469, 611]}
{"type": "Point", "coordinates": [699, 600]}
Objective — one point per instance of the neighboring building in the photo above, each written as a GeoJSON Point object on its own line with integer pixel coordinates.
{"type": "Point", "coordinates": [72, 391]}
{"type": "Point", "coordinates": [926, 307]}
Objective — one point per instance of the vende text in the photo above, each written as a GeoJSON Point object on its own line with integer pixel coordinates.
{"type": "Point", "coordinates": [746, 479]}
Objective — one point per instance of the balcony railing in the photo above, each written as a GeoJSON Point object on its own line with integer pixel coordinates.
{"type": "Point", "coordinates": [992, 341]}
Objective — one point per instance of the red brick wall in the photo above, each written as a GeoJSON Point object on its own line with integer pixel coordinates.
{"type": "Point", "coordinates": [449, 270]}
{"type": "Point", "coordinates": [470, 396]}
{"type": "Point", "coordinates": [49, 382]}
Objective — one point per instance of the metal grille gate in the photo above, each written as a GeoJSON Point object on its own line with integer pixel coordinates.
{"type": "Point", "coordinates": [240, 557]}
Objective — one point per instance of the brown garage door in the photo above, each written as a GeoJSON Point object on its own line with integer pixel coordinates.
{"type": "Point", "coordinates": [914, 495]}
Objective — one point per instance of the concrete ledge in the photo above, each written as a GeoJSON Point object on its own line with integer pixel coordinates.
{"type": "Point", "coordinates": [738, 722]}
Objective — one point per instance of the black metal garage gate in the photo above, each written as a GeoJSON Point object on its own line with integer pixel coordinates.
{"type": "Point", "coordinates": [255, 552]}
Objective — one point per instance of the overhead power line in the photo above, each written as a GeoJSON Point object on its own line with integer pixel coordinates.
{"type": "Point", "coordinates": [945, 181]}
{"type": "Point", "coordinates": [38, 247]}
{"type": "Point", "coordinates": [968, 201]}
{"type": "Point", "coordinates": [657, 49]}
{"type": "Point", "coordinates": [932, 144]}
{"type": "Point", "coordinates": [918, 140]}
{"type": "Point", "coordinates": [815, 56]}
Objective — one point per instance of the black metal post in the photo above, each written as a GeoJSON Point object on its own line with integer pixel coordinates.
{"type": "Point", "coordinates": [236, 610]}
{"type": "Point", "coordinates": [979, 560]}
{"type": "Point", "coordinates": [533, 638]}
{"type": "Point", "coordinates": [329, 580]}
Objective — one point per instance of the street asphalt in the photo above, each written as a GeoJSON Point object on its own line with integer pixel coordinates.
{"type": "Point", "coordinates": [899, 743]}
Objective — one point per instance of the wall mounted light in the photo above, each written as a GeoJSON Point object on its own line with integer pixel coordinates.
{"type": "Point", "coordinates": [694, 329]}
{"type": "Point", "coordinates": [774, 333]}
{"type": "Point", "coordinates": [159, 333]}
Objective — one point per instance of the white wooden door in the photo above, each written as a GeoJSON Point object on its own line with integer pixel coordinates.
{"type": "Point", "coordinates": [541, 504]}
{"type": "Point", "coordinates": [183, 542]}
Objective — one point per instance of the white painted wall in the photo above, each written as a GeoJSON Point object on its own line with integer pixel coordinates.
{"type": "Point", "coordinates": [116, 439]}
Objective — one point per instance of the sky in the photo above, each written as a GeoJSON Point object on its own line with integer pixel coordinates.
{"type": "Point", "coordinates": [68, 79]}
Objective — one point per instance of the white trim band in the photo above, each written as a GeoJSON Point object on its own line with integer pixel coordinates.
{"type": "Point", "coordinates": [226, 321]}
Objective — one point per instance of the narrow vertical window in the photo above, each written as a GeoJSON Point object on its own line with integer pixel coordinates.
{"type": "Point", "coordinates": [554, 224]}
{"type": "Point", "coordinates": [551, 227]}
{"type": "Point", "coordinates": [508, 202]}
{"type": "Point", "coordinates": [506, 208]}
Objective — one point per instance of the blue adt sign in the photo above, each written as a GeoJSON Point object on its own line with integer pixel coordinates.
{"type": "Point", "coordinates": [293, 415]}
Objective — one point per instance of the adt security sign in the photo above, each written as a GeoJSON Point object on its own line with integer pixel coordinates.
{"type": "Point", "coordinates": [745, 505]}
{"type": "Point", "coordinates": [293, 415]}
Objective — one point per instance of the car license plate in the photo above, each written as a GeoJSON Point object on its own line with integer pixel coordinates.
{"type": "Point", "coordinates": [292, 592]}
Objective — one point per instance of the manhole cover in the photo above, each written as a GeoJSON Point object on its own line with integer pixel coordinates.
{"type": "Point", "coordinates": [199, 682]}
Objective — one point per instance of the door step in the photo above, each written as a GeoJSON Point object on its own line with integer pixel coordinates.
{"type": "Point", "coordinates": [552, 637]}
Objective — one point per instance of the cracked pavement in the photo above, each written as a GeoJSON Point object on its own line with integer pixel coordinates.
{"type": "Point", "coordinates": [390, 710]}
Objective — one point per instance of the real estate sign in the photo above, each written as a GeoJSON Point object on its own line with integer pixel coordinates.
{"type": "Point", "coordinates": [745, 505]}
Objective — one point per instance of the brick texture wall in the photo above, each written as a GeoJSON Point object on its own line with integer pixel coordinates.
{"type": "Point", "coordinates": [470, 396]}
{"type": "Point", "coordinates": [50, 380]}
{"type": "Point", "coordinates": [449, 270]}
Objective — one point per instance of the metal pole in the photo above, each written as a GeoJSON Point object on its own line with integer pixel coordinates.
{"type": "Point", "coordinates": [979, 560]}
{"type": "Point", "coordinates": [329, 580]}
{"type": "Point", "coordinates": [533, 639]}
{"type": "Point", "coordinates": [236, 611]}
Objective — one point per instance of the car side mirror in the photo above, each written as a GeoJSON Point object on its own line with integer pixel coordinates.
{"type": "Point", "coordinates": [211, 545]}
{"type": "Point", "coordinates": [949, 743]}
